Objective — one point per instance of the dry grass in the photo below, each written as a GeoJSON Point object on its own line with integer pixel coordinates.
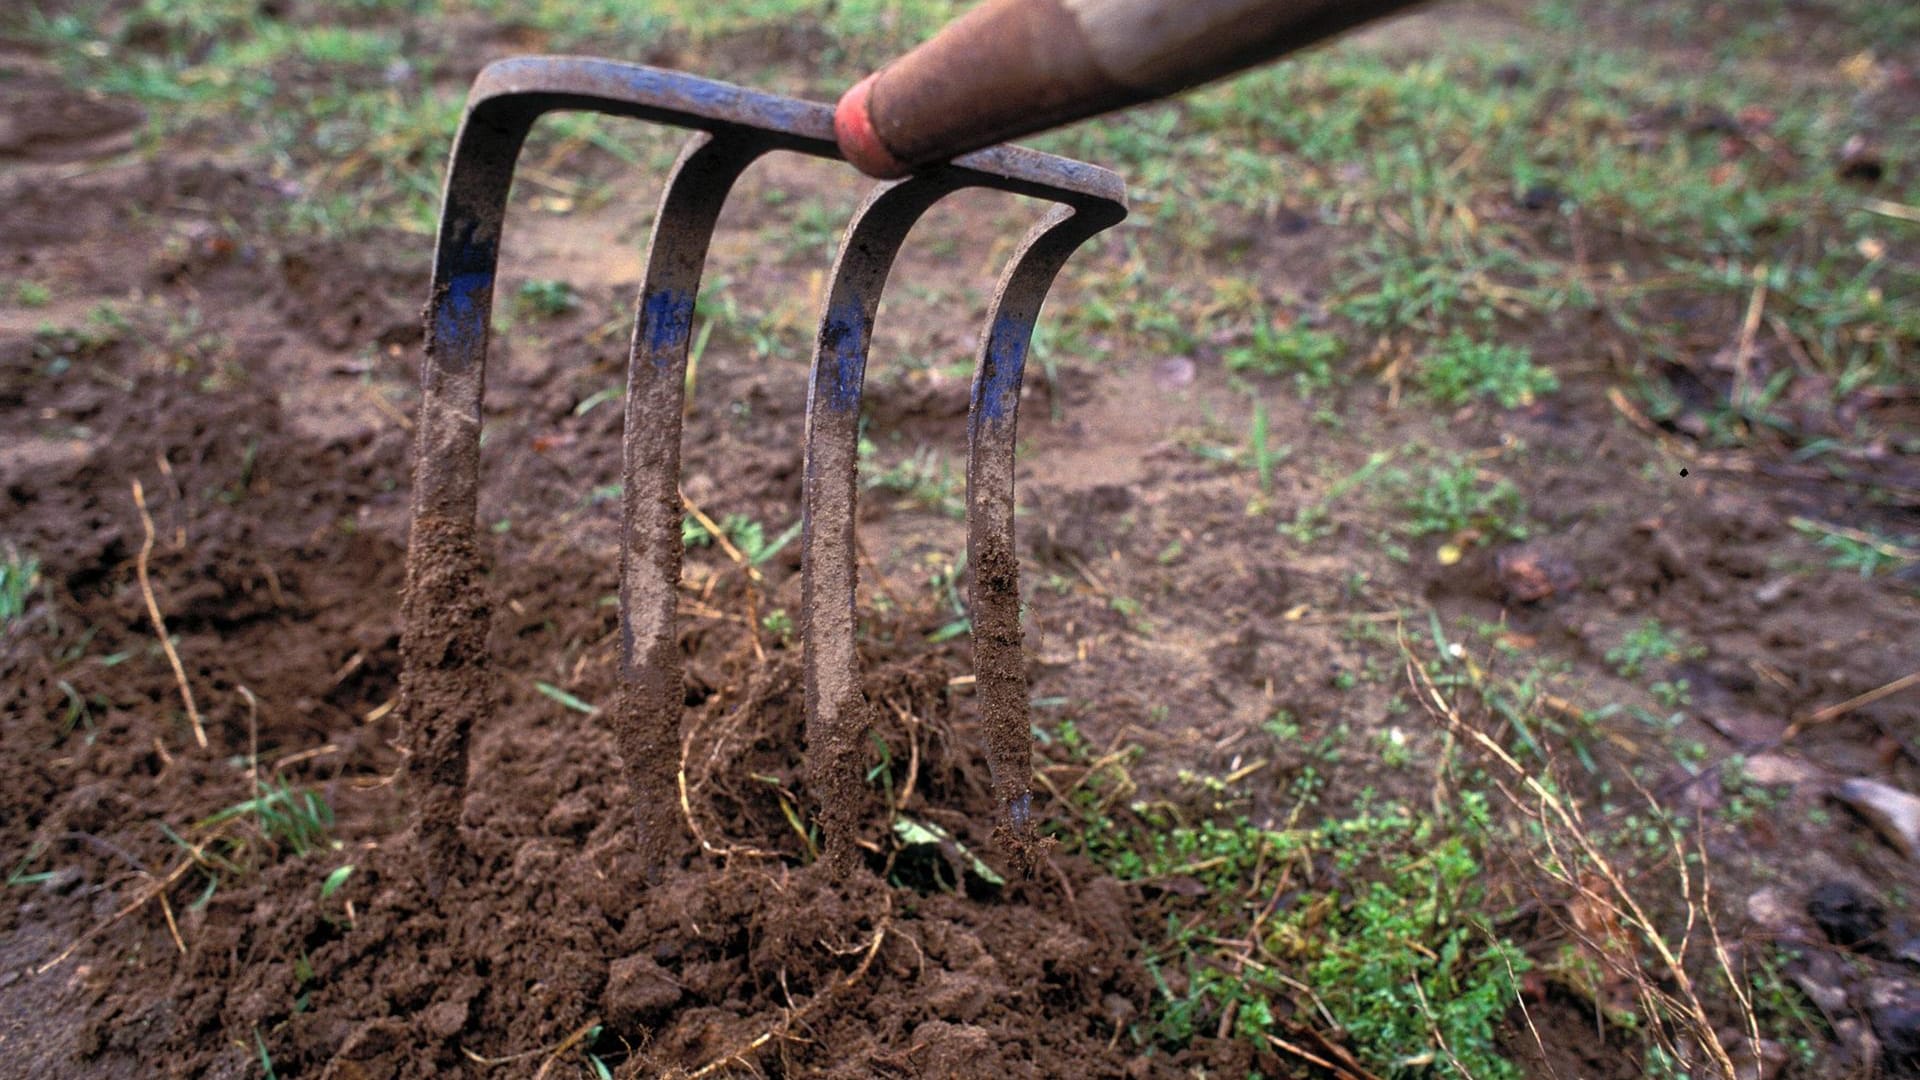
{"type": "Point", "coordinates": [1622, 917]}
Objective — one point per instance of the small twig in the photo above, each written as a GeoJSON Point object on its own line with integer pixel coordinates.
{"type": "Point", "coordinates": [1858, 701]}
{"type": "Point", "coordinates": [566, 1044]}
{"type": "Point", "coordinates": [555, 1051]}
{"type": "Point", "coordinates": [1749, 329]}
{"type": "Point", "coordinates": [720, 537]}
{"type": "Point", "coordinates": [298, 756]}
{"type": "Point", "coordinates": [1888, 208]}
{"type": "Point", "coordinates": [160, 624]}
{"type": "Point", "coordinates": [913, 757]}
{"type": "Point", "coordinates": [800, 1014]}
{"type": "Point", "coordinates": [686, 811]}
{"type": "Point", "coordinates": [388, 409]}
{"type": "Point", "coordinates": [253, 737]}
{"type": "Point", "coordinates": [146, 895]}
{"type": "Point", "coordinates": [1866, 539]}
{"type": "Point", "coordinates": [1308, 1056]}
{"type": "Point", "coordinates": [172, 927]}
{"type": "Point", "coordinates": [1553, 811]}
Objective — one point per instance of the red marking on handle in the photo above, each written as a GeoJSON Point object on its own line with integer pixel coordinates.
{"type": "Point", "coordinates": [853, 129]}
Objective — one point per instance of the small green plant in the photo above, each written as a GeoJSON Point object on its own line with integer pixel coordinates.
{"type": "Point", "coordinates": [545, 298]}
{"type": "Point", "coordinates": [1672, 695]}
{"type": "Point", "coordinates": [1867, 552]}
{"type": "Point", "coordinates": [332, 882]}
{"type": "Point", "coordinates": [1388, 941]}
{"type": "Point", "coordinates": [19, 575]}
{"type": "Point", "coordinates": [747, 536]}
{"type": "Point", "coordinates": [295, 820]}
{"type": "Point", "coordinates": [1310, 521]}
{"type": "Point", "coordinates": [1455, 500]}
{"type": "Point", "coordinates": [1462, 369]}
{"type": "Point", "coordinates": [778, 623]}
{"type": "Point", "coordinates": [31, 294]}
{"type": "Point", "coordinates": [924, 477]}
{"type": "Point", "coordinates": [1301, 351]}
{"type": "Point", "coordinates": [1646, 644]}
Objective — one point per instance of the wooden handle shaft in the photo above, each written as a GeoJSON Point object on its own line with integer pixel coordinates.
{"type": "Point", "coordinates": [1009, 68]}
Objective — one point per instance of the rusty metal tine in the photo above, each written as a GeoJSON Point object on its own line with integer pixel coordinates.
{"type": "Point", "coordinates": [999, 666]}
{"type": "Point", "coordinates": [447, 683]}
{"type": "Point", "coordinates": [651, 693]}
{"type": "Point", "coordinates": [836, 706]}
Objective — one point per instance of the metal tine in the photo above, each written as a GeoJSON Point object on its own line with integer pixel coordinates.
{"type": "Point", "coordinates": [651, 694]}
{"type": "Point", "coordinates": [837, 717]}
{"type": "Point", "coordinates": [447, 683]}
{"type": "Point", "coordinates": [1000, 668]}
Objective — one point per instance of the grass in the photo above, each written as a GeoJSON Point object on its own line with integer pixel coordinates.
{"type": "Point", "coordinates": [19, 575]}
{"type": "Point", "coordinates": [1458, 500]}
{"type": "Point", "coordinates": [747, 536]}
{"type": "Point", "coordinates": [1648, 643]}
{"type": "Point", "coordinates": [1461, 369]}
{"type": "Point", "coordinates": [1301, 351]}
{"type": "Point", "coordinates": [545, 298]}
{"type": "Point", "coordinates": [1383, 935]}
{"type": "Point", "coordinates": [925, 478]}
{"type": "Point", "coordinates": [295, 820]}
{"type": "Point", "coordinates": [1865, 552]}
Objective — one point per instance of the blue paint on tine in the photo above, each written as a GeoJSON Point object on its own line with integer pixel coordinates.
{"type": "Point", "coordinates": [459, 324]}
{"type": "Point", "coordinates": [1005, 360]}
{"type": "Point", "coordinates": [843, 336]}
{"type": "Point", "coordinates": [666, 321]}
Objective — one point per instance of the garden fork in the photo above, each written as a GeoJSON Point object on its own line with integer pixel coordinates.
{"type": "Point", "coordinates": [447, 684]}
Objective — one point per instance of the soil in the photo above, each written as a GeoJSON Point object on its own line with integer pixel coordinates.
{"type": "Point", "coordinates": [262, 396]}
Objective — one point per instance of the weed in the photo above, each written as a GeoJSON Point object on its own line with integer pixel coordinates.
{"type": "Point", "coordinates": [545, 298]}
{"type": "Point", "coordinates": [331, 884]}
{"type": "Point", "coordinates": [295, 820]}
{"type": "Point", "coordinates": [1645, 644]}
{"type": "Point", "coordinates": [20, 876]}
{"type": "Point", "coordinates": [1672, 695]}
{"type": "Point", "coordinates": [266, 1059]}
{"type": "Point", "coordinates": [1265, 457]}
{"type": "Point", "coordinates": [1457, 501]}
{"type": "Point", "coordinates": [780, 624]}
{"type": "Point", "coordinates": [1461, 369]}
{"type": "Point", "coordinates": [1310, 521]}
{"type": "Point", "coordinates": [566, 699]}
{"type": "Point", "coordinates": [19, 575]}
{"type": "Point", "coordinates": [32, 294]}
{"type": "Point", "coordinates": [747, 536]}
{"type": "Point", "coordinates": [1301, 351]}
{"type": "Point", "coordinates": [925, 477]}
{"type": "Point", "coordinates": [1867, 552]}
{"type": "Point", "coordinates": [1381, 930]}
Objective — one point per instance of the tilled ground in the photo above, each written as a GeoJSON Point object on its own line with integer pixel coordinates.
{"type": "Point", "coordinates": [257, 395]}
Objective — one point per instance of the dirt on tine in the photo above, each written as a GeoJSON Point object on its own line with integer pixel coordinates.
{"type": "Point", "coordinates": [447, 686]}
{"type": "Point", "coordinates": [839, 714]}
{"type": "Point", "coordinates": [1000, 666]}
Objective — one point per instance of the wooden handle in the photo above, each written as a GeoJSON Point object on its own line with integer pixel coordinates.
{"type": "Point", "coordinates": [1009, 68]}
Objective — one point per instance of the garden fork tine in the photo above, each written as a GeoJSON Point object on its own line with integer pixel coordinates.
{"type": "Point", "coordinates": [447, 683]}
{"type": "Point", "coordinates": [836, 707]}
{"type": "Point", "coordinates": [646, 711]}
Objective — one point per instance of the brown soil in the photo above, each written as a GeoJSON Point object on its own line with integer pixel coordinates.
{"type": "Point", "coordinates": [523, 925]}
